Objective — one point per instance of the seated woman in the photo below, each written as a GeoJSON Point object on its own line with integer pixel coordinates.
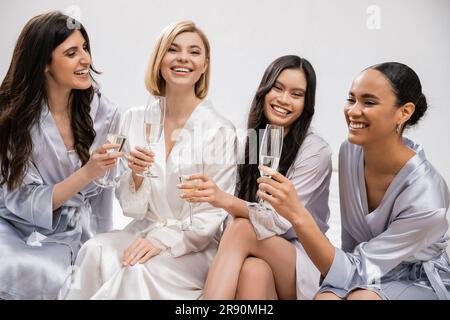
{"type": "Point", "coordinates": [155, 257]}
{"type": "Point", "coordinates": [393, 201]}
{"type": "Point", "coordinates": [52, 125]}
{"type": "Point", "coordinates": [262, 245]}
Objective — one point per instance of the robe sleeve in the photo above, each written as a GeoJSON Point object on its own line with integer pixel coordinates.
{"type": "Point", "coordinates": [32, 201]}
{"type": "Point", "coordinates": [408, 234]}
{"type": "Point", "coordinates": [134, 202]}
{"type": "Point", "coordinates": [102, 208]}
{"type": "Point", "coordinates": [311, 178]}
{"type": "Point", "coordinates": [207, 219]}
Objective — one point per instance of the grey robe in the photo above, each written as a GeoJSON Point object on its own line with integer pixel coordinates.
{"type": "Point", "coordinates": [37, 245]}
{"type": "Point", "coordinates": [398, 250]}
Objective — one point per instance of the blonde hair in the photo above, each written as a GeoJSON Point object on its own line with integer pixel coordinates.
{"type": "Point", "coordinates": [154, 81]}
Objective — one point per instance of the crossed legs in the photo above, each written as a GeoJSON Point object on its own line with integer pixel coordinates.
{"type": "Point", "coordinates": [256, 281]}
{"type": "Point", "coordinates": [234, 273]}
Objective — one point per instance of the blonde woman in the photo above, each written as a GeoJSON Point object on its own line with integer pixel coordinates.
{"type": "Point", "coordinates": [154, 257]}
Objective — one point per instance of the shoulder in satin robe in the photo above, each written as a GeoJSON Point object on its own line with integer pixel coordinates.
{"type": "Point", "coordinates": [38, 245]}
{"type": "Point", "coordinates": [400, 246]}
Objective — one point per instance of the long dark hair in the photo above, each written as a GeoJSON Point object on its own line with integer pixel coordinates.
{"type": "Point", "coordinates": [406, 86]}
{"type": "Point", "coordinates": [23, 92]}
{"type": "Point", "coordinates": [248, 172]}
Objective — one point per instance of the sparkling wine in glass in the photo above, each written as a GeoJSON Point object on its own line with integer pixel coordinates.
{"type": "Point", "coordinates": [269, 161]}
{"type": "Point", "coordinates": [117, 134]}
{"type": "Point", "coordinates": [270, 152]}
{"type": "Point", "coordinates": [153, 127]}
{"type": "Point", "coordinates": [188, 164]}
{"type": "Point", "coordinates": [119, 139]}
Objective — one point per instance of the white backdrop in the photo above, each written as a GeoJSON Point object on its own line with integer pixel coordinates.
{"type": "Point", "coordinates": [340, 38]}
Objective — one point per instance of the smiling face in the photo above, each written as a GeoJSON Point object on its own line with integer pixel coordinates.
{"type": "Point", "coordinates": [185, 60]}
{"type": "Point", "coordinates": [371, 111]}
{"type": "Point", "coordinates": [284, 103]}
{"type": "Point", "coordinates": [69, 68]}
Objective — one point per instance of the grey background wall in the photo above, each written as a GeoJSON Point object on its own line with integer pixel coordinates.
{"type": "Point", "coordinates": [340, 38]}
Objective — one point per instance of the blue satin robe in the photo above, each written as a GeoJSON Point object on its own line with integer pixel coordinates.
{"type": "Point", "coordinates": [39, 245]}
{"type": "Point", "coordinates": [399, 249]}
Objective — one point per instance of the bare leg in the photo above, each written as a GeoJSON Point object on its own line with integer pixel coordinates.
{"type": "Point", "coordinates": [326, 296]}
{"type": "Point", "coordinates": [223, 274]}
{"type": "Point", "coordinates": [256, 281]}
{"type": "Point", "coordinates": [238, 242]}
{"type": "Point", "coordinates": [361, 294]}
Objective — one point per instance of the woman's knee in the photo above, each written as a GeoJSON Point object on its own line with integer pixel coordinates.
{"type": "Point", "coordinates": [256, 280]}
{"type": "Point", "coordinates": [362, 294]}
{"type": "Point", "coordinates": [108, 241]}
{"type": "Point", "coordinates": [326, 296]}
{"type": "Point", "coordinates": [93, 243]}
{"type": "Point", "coordinates": [239, 231]}
{"type": "Point", "coordinates": [255, 269]}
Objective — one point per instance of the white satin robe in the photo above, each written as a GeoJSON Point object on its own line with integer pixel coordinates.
{"type": "Point", "coordinates": [178, 272]}
{"type": "Point", "coordinates": [38, 245]}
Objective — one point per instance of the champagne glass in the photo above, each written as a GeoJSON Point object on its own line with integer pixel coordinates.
{"type": "Point", "coordinates": [271, 147]}
{"type": "Point", "coordinates": [153, 126]}
{"type": "Point", "coordinates": [117, 134]}
{"type": "Point", "coordinates": [270, 152]}
{"type": "Point", "coordinates": [187, 166]}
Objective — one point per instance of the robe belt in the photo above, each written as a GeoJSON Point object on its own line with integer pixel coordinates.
{"type": "Point", "coordinates": [161, 223]}
{"type": "Point", "coordinates": [431, 269]}
{"type": "Point", "coordinates": [78, 219]}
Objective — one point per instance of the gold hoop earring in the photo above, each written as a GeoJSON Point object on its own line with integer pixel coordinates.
{"type": "Point", "coordinates": [398, 129]}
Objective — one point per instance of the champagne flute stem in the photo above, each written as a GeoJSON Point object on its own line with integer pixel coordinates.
{"type": "Point", "coordinates": [148, 172]}
{"type": "Point", "coordinates": [190, 215]}
{"type": "Point", "coordinates": [105, 176]}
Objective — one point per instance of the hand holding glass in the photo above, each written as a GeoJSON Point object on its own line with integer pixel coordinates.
{"type": "Point", "coordinates": [187, 167]}
{"type": "Point", "coordinates": [117, 134]}
{"type": "Point", "coordinates": [270, 151]}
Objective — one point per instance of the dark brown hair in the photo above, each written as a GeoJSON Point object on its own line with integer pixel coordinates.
{"type": "Point", "coordinates": [23, 93]}
{"type": "Point", "coordinates": [248, 173]}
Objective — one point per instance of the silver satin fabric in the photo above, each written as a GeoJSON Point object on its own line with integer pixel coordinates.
{"type": "Point", "coordinates": [179, 272]}
{"type": "Point", "coordinates": [397, 250]}
{"type": "Point", "coordinates": [37, 245]}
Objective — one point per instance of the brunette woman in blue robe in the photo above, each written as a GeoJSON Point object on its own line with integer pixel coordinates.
{"type": "Point", "coordinates": [393, 201]}
{"type": "Point", "coordinates": [53, 123]}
